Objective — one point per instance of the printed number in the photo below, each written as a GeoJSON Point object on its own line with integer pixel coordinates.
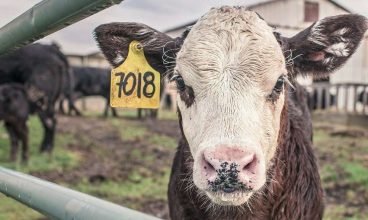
{"type": "Point", "coordinates": [129, 83]}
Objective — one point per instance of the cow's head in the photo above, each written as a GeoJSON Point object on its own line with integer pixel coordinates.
{"type": "Point", "coordinates": [12, 99]}
{"type": "Point", "coordinates": [231, 71]}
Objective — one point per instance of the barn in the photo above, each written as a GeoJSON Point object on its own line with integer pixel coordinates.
{"type": "Point", "coordinates": [95, 59]}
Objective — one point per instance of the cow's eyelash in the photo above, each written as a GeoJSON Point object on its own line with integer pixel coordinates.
{"type": "Point", "coordinates": [174, 77]}
{"type": "Point", "coordinates": [278, 88]}
{"type": "Point", "coordinates": [180, 84]}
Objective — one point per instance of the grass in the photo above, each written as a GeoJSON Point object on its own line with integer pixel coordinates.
{"type": "Point", "coordinates": [343, 163]}
{"type": "Point", "coordinates": [129, 130]}
{"type": "Point", "coordinates": [162, 140]}
{"type": "Point", "coordinates": [60, 160]}
{"type": "Point", "coordinates": [357, 174]}
{"type": "Point", "coordinates": [344, 172]}
{"type": "Point", "coordinates": [12, 210]}
{"type": "Point", "coordinates": [329, 174]}
{"type": "Point", "coordinates": [142, 183]}
{"type": "Point", "coordinates": [137, 187]}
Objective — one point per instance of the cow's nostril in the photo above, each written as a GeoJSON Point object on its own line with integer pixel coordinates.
{"type": "Point", "coordinates": [250, 163]}
{"type": "Point", "coordinates": [208, 167]}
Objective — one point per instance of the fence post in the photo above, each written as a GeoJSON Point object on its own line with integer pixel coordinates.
{"type": "Point", "coordinates": [327, 96]}
{"type": "Point", "coordinates": [346, 102]}
{"type": "Point", "coordinates": [45, 18]}
{"type": "Point", "coordinates": [337, 97]}
{"type": "Point", "coordinates": [355, 87]}
{"type": "Point", "coordinates": [364, 100]}
{"type": "Point", "coordinates": [57, 202]}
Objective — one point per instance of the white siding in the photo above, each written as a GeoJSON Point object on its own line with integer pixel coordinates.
{"type": "Point", "coordinates": [91, 61]}
{"type": "Point", "coordinates": [175, 33]}
{"type": "Point", "coordinates": [282, 12]}
{"type": "Point", "coordinates": [355, 70]}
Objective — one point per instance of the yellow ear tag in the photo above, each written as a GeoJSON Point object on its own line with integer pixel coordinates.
{"type": "Point", "coordinates": [135, 84]}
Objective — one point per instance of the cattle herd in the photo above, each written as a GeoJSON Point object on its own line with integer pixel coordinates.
{"type": "Point", "coordinates": [32, 80]}
{"type": "Point", "coordinates": [37, 78]}
{"type": "Point", "coordinates": [246, 145]}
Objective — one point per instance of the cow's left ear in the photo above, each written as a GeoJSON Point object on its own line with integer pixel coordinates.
{"type": "Point", "coordinates": [326, 45]}
{"type": "Point", "coordinates": [114, 39]}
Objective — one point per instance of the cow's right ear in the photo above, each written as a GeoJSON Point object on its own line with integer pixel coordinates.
{"type": "Point", "coordinates": [114, 40]}
{"type": "Point", "coordinates": [326, 45]}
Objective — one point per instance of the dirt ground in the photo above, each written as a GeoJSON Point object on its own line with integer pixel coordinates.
{"type": "Point", "coordinates": [113, 161]}
{"type": "Point", "coordinates": [112, 151]}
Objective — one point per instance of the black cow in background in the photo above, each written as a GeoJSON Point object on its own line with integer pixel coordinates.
{"type": "Point", "coordinates": [361, 97]}
{"type": "Point", "coordinates": [93, 81]}
{"type": "Point", "coordinates": [313, 100]}
{"type": "Point", "coordinates": [42, 70]}
{"type": "Point", "coordinates": [14, 111]}
{"type": "Point", "coordinates": [89, 81]}
{"type": "Point", "coordinates": [143, 113]}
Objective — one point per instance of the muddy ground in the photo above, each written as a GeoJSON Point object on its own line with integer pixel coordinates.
{"type": "Point", "coordinates": [107, 155]}
{"type": "Point", "coordinates": [113, 161]}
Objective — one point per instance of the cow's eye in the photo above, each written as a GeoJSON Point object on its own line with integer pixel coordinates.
{"type": "Point", "coordinates": [180, 84]}
{"type": "Point", "coordinates": [277, 89]}
{"type": "Point", "coordinates": [279, 84]}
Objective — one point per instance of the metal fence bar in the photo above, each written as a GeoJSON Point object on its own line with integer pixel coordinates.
{"type": "Point", "coordinates": [45, 18]}
{"type": "Point", "coordinates": [355, 99]}
{"type": "Point", "coordinates": [327, 97]}
{"type": "Point", "coordinates": [319, 97]}
{"type": "Point", "coordinates": [364, 103]}
{"type": "Point", "coordinates": [346, 97]}
{"type": "Point", "coordinates": [337, 97]}
{"type": "Point", "coordinates": [57, 202]}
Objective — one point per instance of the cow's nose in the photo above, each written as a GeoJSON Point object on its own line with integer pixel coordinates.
{"type": "Point", "coordinates": [229, 167]}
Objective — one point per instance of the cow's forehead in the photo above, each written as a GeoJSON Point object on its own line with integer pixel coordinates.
{"type": "Point", "coordinates": [226, 16]}
{"type": "Point", "coordinates": [230, 39]}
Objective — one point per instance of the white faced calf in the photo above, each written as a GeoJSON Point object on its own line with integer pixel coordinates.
{"type": "Point", "coordinates": [246, 137]}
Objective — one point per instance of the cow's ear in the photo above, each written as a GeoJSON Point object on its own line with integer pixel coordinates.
{"type": "Point", "coordinates": [326, 45]}
{"type": "Point", "coordinates": [114, 40]}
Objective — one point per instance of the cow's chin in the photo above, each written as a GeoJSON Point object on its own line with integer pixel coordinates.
{"type": "Point", "coordinates": [229, 199]}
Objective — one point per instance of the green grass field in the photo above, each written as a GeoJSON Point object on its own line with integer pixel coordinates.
{"type": "Point", "coordinates": [62, 159]}
{"type": "Point", "coordinates": [343, 162]}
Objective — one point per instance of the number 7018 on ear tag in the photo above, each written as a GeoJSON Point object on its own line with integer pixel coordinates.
{"type": "Point", "coordinates": [135, 84]}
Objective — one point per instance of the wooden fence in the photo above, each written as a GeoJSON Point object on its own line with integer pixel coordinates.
{"type": "Point", "coordinates": [341, 97]}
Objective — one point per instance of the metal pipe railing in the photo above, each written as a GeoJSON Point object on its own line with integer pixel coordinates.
{"type": "Point", "coordinates": [45, 18]}
{"type": "Point", "coordinates": [58, 202]}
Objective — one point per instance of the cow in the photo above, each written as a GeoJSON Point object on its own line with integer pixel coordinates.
{"type": "Point", "coordinates": [246, 147]}
{"type": "Point", "coordinates": [14, 111]}
{"type": "Point", "coordinates": [93, 81]}
{"type": "Point", "coordinates": [89, 81]}
{"type": "Point", "coordinates": [361, 97]}
{"type": "Point", "coordinates": [67, 94]}
{"type": "Point", "coordinates": [313, 99]}
{"type": "Point", "coordinates": [42, 70]}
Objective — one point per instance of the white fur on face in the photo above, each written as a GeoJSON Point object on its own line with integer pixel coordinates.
{"type": "Point", "coordinates": [232, 61]}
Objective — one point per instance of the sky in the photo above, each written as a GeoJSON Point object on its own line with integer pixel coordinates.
{"type": "Point", "coordinates": [159, 14]}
